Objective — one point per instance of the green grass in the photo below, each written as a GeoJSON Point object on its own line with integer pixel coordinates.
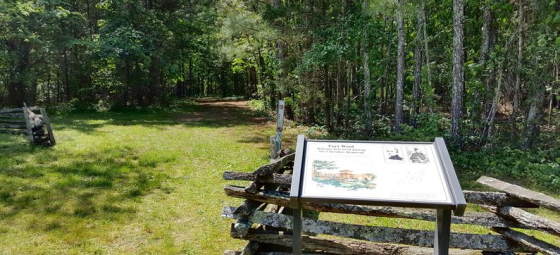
{"type": "Point", "coordinates": [122, 183]}
{"type": "Point", "coordinates": [146, 182]}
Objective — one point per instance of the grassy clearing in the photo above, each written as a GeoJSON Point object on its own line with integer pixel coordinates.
{"type": "Point", "coordinates": [133, 182]}
{"type": "Point", "coordinates": [139, 182]}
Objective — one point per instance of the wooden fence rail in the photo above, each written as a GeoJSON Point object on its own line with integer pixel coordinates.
{"type": "Point", "coordinates": [265, 220]}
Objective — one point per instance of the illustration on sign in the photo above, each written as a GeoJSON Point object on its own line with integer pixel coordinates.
{"type": "Point", "coordinates": [326, 172]}
{"type": "Point", "coordinates": [417, 155]}
{"type": "Point", "coordinates": [394, 155]}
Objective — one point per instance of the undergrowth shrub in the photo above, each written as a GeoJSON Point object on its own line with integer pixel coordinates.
{"type": "Point", "coordinates": [259, 106]}
{"type": "Point", "coordinates": [536, 169]}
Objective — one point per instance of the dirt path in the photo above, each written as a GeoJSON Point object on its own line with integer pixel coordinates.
{"type": "Point", "coordinates": [209, 110]}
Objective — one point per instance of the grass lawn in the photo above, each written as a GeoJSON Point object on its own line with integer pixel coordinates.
{"type": "Point", "coordinates": [136, 182]}
{"type": "Point", "coordinates": [131, 182]}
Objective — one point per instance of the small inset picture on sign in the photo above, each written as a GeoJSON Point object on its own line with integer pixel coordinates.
{"type": "Point", "coordinates": [417, 155]}
{"type": "Point", "coordinates": [394, 154]}
{"type": "Point", "coordinates": [327, 173]}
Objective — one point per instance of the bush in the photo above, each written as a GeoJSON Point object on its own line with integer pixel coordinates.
{"type": "Point", "coordinates": [537, 169]}
{"type": "Point", "coordinates": [258, 106]}
{"type": "Point", "coordinates": [67, 107]}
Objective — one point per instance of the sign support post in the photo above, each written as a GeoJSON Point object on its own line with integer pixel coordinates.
{"type": "Point", "coordinates": [295, 196]}
{"type": "Point", "coordinates": [297, 230]}
{"type": "Point", "coordinates": [443, 231]}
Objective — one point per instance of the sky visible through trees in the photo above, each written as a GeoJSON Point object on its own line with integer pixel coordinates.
{"type": "Point", "coordinates": [485, 71]}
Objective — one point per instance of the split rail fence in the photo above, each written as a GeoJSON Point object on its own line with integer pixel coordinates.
{"type": "Point", "coordinates": [32, 122]}
{"type": "Point", "coordinates": [264, 219]}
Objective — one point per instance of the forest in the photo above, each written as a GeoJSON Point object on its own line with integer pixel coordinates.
{"type": "Point", "coordinates": [485, 71]}
{"type": "Point", "coordinates": [160, 109]}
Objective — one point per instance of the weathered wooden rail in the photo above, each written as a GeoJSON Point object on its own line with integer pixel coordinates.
{"type": "Point", "coordinates": [264, 219]}
{"type": "Point", "coordinates": [32, 122]}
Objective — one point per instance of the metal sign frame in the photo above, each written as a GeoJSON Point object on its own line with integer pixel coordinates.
{"type": "Point", "coordinates": [457, 202]}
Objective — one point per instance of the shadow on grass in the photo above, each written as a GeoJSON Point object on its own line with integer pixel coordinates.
{"type": "Point", "coordinates": [7, 141]}
{"type": "Point", "coordinates": [80, 185]}
{"type": "Point", "coordinates": [212, 114]}
{"type": "Point", "coordinates": [101, 183]}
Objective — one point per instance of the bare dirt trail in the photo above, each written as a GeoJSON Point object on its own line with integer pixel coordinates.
{"type": "Point", "coordinates": [216, 110]}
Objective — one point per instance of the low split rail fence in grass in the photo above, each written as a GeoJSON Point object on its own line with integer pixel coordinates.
{"type": "Point", "coordinates": [264, 219]}
{"type": "Point", "coordinates": [32, 122]}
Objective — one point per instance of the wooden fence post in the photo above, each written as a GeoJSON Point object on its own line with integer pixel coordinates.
{"type": "Point", "coordinates": [28, 123]}
{"type": "Point", "coordinates": [47, 124]}
{"type": "Point", "coordinates": [276, 141]}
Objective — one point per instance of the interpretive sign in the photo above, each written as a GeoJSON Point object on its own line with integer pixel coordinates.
{"type": "Point", "coordinates": [405, 174]}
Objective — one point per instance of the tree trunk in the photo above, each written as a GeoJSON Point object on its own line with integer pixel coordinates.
{"type": "Point", "coordinates": [488, 78]}
{"type": "Point", "coordinates": [367, 82]}
{"type": "Point", "coordinates": [328, 96]}
{"type": "Point", "coordinates": [415, 109]}
{"type": "Point", "coordinates": [556, 77]}
{"type": "Point", "coordinates": [488, 124]}
{"type": "Point", "coordinates": [190, 85]}
{"type": "Point", "coordinates": [520, 43]}
{"type": "Point", "coordinates": [18, 79]}
{"type": "Point", "coordinates": [66, 76]}
{"type": "Point", "coordinates": [341, 81]}
{"type": "Point", "coordinates": [426, 41]}
{"type": "Point", "coordinates": [400, 68]}
{"type": "Point", "coordinates": [534, 116]}
{"type": "Point", "coordinates": [155, 79]}
{"type": "Point", "coordinates": [488, 33]}
{"type": "Point", "coordinates": [281, 55]}
{"type": "Point", "coordinates": [458, 73]}
{"type": "Point", "coordinates": [127, 78]}
{"type": "Point", "coordinates": [348, 92]}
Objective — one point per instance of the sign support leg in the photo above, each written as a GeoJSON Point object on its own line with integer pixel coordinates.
{"type": "Point", "coordinates": [297, 230]}
{"type": "Point", "coordinates": [443, 232]}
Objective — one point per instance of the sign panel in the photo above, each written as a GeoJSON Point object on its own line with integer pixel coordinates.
{"type": "Point", "coordinates": [417, 174]}
{"type": "Point", "coordinates": [374, 171]}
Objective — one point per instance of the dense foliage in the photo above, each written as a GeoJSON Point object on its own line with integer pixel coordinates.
{"type": "Point", "coordinates": [356, 68]}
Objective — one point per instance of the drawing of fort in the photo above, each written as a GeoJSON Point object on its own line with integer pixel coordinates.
{"type": "Point", "coordinates": [327, 173]}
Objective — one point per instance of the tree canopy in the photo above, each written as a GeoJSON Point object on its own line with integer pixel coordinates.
{"type": "Point", "coordinates": [483, 70]}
